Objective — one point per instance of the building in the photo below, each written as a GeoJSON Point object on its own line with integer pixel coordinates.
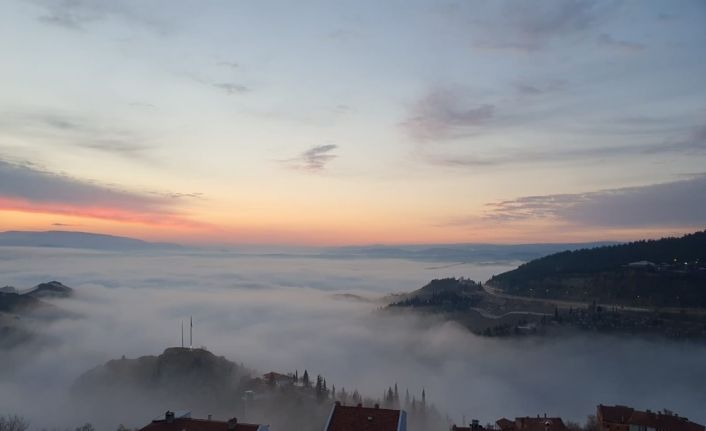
{"type": "Point", "coordinates": [474, 426]}
{"type": "Point", "coordinates": [278, 379]}
{"type": "Point", "coordinates": [623, 418]}
{"type": "Point", "coordinates": [642, 264]}
{"type": "Point", "coordinates": [359, 418]}
{"type": "Point", "coordinates": [184, 422]}
{"type": "Point", "coordinates": [532, 424]}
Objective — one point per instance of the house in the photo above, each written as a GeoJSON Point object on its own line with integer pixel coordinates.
{"type": "Point", "coordinates": [184, 422]}
{"type": "Point", "coordinates": [613, 418]}
{"type": "Point", "coordinates": [278, 379]}
{"type": "Point", "coordinates": [623, 418]}
{"type": "Point", "coordinates": [532, 424]}
{"type": "Point", "coordinates": [642, 264]}
{"type": "Point", "coordinates": [359, 418]}
{"type": "Point", "coordinates": [474, 426]}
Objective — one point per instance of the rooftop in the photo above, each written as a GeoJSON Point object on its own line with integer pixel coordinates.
{"type": "Point", "coordinates": [358, 418]}
{"type": "Point", "coordinates": [190, 424]}
{"type": "Point", "coordinates": [663, 421]}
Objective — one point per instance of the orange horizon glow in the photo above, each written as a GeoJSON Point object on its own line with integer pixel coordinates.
{"type": "Point", "coordinates": [44, 218]}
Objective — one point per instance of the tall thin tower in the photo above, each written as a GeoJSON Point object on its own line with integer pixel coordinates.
{"type": "Point", "coordinates": [182, 334]}
{"type": "Point", "coordinates": [191, 332]}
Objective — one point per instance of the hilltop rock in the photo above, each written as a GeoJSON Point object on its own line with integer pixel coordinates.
{"type": "Point", "coordinates": [452, 292]}
{"type": "Point", "coordinates": [52, 289]}
{"type": "Point", "coordinates": [193, 377]}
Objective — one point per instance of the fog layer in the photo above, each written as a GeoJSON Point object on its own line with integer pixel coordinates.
{"type": "Point", "coordinates": [282, 314]}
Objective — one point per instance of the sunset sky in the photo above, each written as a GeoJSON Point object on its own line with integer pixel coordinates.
{"type": "Point", "coordinates": [262, 122]}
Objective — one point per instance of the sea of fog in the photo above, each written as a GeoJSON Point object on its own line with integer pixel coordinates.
{"type": "Point", "coordinates": [284, 313]}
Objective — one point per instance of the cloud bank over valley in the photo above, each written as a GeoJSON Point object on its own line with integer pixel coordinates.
{"type": "Point", "coordinates": [282, 314]}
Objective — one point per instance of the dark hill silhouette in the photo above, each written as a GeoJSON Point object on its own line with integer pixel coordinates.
{"type": "Point", "coordinates": [11, 302]}
{"type": "Point", "coordinates": [194, 375]}
{"type": "Point", "coordinates": [672, 274]}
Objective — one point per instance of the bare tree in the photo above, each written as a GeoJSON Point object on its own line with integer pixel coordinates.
{"type": "Point", "coordinates": [591, 424]}
{"type": "Point", "coordinates": [13, 423]}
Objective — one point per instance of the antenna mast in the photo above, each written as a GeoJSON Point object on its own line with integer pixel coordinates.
{"type": "Point", "coordinates": [191, 332]}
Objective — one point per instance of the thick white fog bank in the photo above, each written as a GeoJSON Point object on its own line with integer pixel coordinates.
{"type": "Point", "coordinates": [281, 314]}
{"type": "Point", "coordinates": [198, 270]}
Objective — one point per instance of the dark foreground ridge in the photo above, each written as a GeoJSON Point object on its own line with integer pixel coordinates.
{"type": "Point", "coordinates": [669, 272]}
{"type": "Point", "coordinates": [486, 313]}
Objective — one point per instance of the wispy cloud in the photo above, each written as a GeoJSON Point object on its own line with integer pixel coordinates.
{"type": "Point", "coordinates": [446, 114]}
{"type": "Point", "coordinates": [530, 26]}
{"type": "Point", "coordinates": [232, 88]}
{"type": "Point", "coordinates": [608, 41]}
{"type": "Point", "coordinates": [143, 105]}
{"type": "Point", "coordinates": [542, 88]}
{"type": "Point", "coordinates": [74, 131]}
{"type": "Point", "coordinates": [692, 143]}
{"type": "Point", "coordinates": [229, 64]}
{"type": "Point", "coordinates": [314, 159]}
{"type": "Point", "coordinates": [673, 204]}
{"type": "Point", "coordinates": [77, 15]}
{"type": "Point", "coordinates": [70, 14]}
{"type": "Point", "coordinates": [24, 187]}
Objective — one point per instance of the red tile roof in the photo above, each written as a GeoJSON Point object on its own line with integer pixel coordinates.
{"type": "Point", "coordinates": [348, 418]}
{"type": "Point", "coordinates": [505, 424]}
{"type": "Point", "coordinates": [188, 424]}
{"type": "Point", "coordinates": [656, 420]}
{"type": "Point", "coordinates": [540, 424]}
{"type": "Point", "coordinates": [675, 423]}
{"type": "Point", "coordinates": [272, 375]}
{"type": "Point", "coordinates": [614, 414]}
{"type": "Point", "coordinates": [529, 423]}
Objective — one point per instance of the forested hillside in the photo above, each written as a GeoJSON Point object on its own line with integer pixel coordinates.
{"type": "Point", "coordinates": [664, 272]}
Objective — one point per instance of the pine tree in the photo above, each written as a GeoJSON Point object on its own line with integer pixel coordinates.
{"type": "Point", "coordinates": [396, 400]}
{"type": "Point", "coordinates": [389, 397]}
{"type": "Point", "coordinates": [406, 399]}
{"type": "Point", "coordinates": [333, 392]}
{"type": "Point", "coordinates": [319, 387]}
{"type": "Point", "coordinates": [296, 376]}
{"type": "Point", "coordinates": [305, 379]}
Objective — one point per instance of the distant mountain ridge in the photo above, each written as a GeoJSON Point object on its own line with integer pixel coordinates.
{"type": "Point", "coordinates": [458, 252]}
{"type": "Point", "coordinates": [75, 239]}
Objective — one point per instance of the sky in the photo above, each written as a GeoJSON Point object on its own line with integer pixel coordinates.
{"type": "Point", "coordinates": [320, 123]}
